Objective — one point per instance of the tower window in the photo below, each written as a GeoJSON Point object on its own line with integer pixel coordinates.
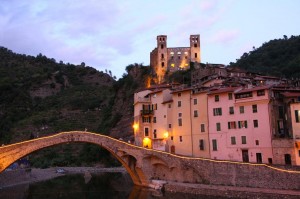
{"type": "Point", "coordinates": [195, 45]}
{"type": "Point", "coordinates": [162, 64]}
{"type": "Point", "coordinates": [195, 55]}
{"type": "Point", "coordinates": [162, 56]}
{"type": "Point", "coordinates": [162, 46]}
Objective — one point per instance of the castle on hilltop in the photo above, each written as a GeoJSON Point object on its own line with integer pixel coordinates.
{"type": "Point", "coordinates": [165, 60]}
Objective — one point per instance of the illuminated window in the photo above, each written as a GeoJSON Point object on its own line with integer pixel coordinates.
{"type": "Point", "coordinates": [186, 64]}
{"type": "Point", "coordinates": [173, 65]}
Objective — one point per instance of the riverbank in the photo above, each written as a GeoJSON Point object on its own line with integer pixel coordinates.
{"type": "Point", "coordinates": [230, 191]}
{"type": "Point", "coordinates": [28, 176]}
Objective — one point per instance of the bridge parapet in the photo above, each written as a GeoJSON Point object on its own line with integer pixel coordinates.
{"type": "Point", "coordinates": [145, 165]}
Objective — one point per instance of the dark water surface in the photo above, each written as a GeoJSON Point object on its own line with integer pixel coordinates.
{"type": "Point", "coordinates": [100, 186]}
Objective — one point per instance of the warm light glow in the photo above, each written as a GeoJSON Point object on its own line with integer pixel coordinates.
{"type": "Point", "coordinates": [172, 65]}
{"type": "Point", "coordinates": [135, 126]}
{"type": "Point", "coordinates": [166, 134]}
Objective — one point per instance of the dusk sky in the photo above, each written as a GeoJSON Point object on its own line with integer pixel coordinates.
{"type": "Point", "coordinates": [112, 34]}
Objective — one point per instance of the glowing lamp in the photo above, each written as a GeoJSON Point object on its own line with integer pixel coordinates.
{"type": "Point", "coordinates": [166, 134]}
{"type": "Point", "coordinates": [135, 126]}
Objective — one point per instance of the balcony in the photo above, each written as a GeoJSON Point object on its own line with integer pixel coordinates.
{"type": "Point", "coordinates": [146, 112]}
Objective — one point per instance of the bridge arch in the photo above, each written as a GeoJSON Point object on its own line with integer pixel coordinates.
{"type": "Point", "coordinates": [119, 149]}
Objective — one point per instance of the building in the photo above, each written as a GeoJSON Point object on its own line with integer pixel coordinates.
{"type": "Point", "coordinates": [164, 60]}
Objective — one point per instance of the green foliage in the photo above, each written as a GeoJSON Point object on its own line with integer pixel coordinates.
{"type": "Point", "coordinates": [278, 57]}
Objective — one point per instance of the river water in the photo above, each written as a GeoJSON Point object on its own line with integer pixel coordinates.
{"type": "Point", "coordinates": [100, 186]}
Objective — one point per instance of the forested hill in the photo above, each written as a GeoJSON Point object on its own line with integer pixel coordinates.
{"type": "Point", "coordinates": [278, 57]}
{"type": "Point", "coordinates": [40, 96]}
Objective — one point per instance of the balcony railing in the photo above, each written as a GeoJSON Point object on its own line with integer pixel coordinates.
{"type": "Point", "coordinates": [146, 112]}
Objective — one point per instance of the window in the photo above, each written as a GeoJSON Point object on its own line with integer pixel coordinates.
{"type": "Point", "coordinates": [233, 141]}
{"type": "Point", "coordinates": [179, 121]}
{"type": "Point", "coordinates": [244, 140]}
{"type": "Point", "coordinates": [169, 105]}
{"type": "Point", "coordinates": [257, 142]}
{"type": "Point", "coordinates": [154, 106]}
{"type": "Point", "coordinates": [162, 46]}
{"type": "Point", "coordinates": [255, 123]}
{"type": "Point", "coordinates": [297, 116]}
{"type": "Point", "coordinates": [242, 124]}
{"type": "Point", "coordinates": [170, 126]}
{"type": "Point", "coordinates": [195, 45]}
{"type": "Point", "coordinates": [195, 55]}
{"type": "Point", "coordinates": [195, 113]}
{"type": "Point", "coordinates": [231, 110]}
{"type": "Point", "coordinates": [215, 145]}
{"type": "Point", "coordinates": [230, 96]}
{"type": "Point", "coordinates": [146, 131]}
{"type": "Point", "coordinates": [281, 112]}
{"type": "Point", "coordinates": [260, 92]}
{"type": "Point", "coordinates": [146, 119]}
{"type": "Point", "coordinates": [218, 126]}
{"type": "Point", "coordinates": [202, 128]}
{"type": "Point", "coordinates": [201, 145]}
{"type": "Point", "coordinates": [179, 103]}
{"type": "Point", "coordinates": [217, 111]}
{"type": "Point", "coordinates": [254, 108]}
{"type": "Point", "coordinates": [179, 114]}
{"type": "Point", "coordinates": [180, 138]}
{"type": "Point", "coordinates": [195, 101]}
{"type": "Point", "coordinates": [172, 137]}
{"type": "Point", "coordinates": [162, 56]}
{"type": "Point", "coordinates": [242, 110]}
{"type": "Point", "coordinates": [217, 98]}
{"type": "Point", "coordinates": [179, 94]}
{"type": "Point", "coordinates": [231, 125]}
{"type": "Point", "coordinates": [162, 64]}
{"type": "Point", "coordinates": [299, 153]}
{"type": "Point", "coordinates": [154, 133]}
{"type": "Point", "coordinates": [154, 119]}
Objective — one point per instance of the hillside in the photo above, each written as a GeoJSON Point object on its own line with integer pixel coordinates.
{"type": "Point", "coordinates": [40, 96]}
{"type": "Point", "coordinates": [278, 57]}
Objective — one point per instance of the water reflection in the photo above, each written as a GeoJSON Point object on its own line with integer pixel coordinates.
{"type": "Point", "coordinates": [100, 186]}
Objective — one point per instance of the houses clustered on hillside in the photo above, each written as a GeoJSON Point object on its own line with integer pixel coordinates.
{"type": "Point", "coordinates": [226, 114]}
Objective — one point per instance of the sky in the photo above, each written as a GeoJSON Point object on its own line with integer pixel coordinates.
{"type": "Point", "coordinates": [111, 34]}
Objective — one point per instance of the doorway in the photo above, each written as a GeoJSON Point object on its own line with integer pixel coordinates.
{"type": "Point", "coordinates": [245, 155]}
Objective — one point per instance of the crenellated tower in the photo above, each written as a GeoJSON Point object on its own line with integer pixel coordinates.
{"type": "Point", "coordinates": [195, 48]}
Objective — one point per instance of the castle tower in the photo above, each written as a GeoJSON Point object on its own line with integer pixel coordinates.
{"type": "Point", "coordinates": [195, 48]}
{"type": "Point", "coordinates": [162, 57]}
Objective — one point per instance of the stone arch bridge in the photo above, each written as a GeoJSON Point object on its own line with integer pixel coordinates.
{"type": "Point", "coordinates": [145, 165]}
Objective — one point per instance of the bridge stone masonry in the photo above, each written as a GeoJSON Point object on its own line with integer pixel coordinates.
{"type": "Point", "coordinates": [145, 166]}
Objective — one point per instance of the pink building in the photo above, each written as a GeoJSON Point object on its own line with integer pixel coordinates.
{"type": "Point", "coordinates": [239, 124]}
